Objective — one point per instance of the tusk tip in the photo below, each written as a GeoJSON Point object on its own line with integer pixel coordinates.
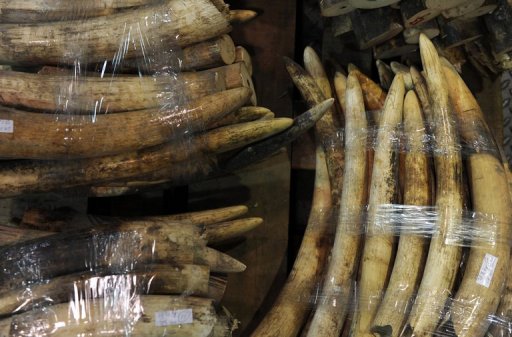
{"type": "Point", "coordinates": [352, 67]}
{"type": "Point", "coordinates": [308, 50]}
{"type": "Point", "coordinates": [287, 59]}
{"type": "Point", "coordinates": [282, 123]}
{"type": "Point", "coordinates": [352, 80]}
{"type": "Point", "coordinates": [328, 102]}
{"type": "Point", "coordinates": [424, 39]}
{"type": "Point", "coordinates": [310, 53]}
{"type": "Point", "coordinates": [339, 75]}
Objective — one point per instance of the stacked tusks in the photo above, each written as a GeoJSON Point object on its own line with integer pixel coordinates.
{"type": "Point", "coordinates": [328, 318]}
{"type": "Point", "coordinates": [204, 318]}
{"type": "Point", "coordinates": [168, 22]}
{"type": "Point", "coordinates": [173, 161]}
{"type": "Point", "coordinates": [443, 259]}
{"type": "Point", "coordinates": [490, 195]}
{"type": "Point", "coordinates": [378, 249]}
{"type": "Point", "coordinates": [158, 260]}
{"type": "Point", "coordinates": [114, 133]}
{"type": "Point", "coordinates": [314, 90]}
{"type": "Point", "coordinates": [411, 253]}
{"type": "Point", "coordinates": [412, 290]}
{"type": "Point", "coordinates": [287, 314]}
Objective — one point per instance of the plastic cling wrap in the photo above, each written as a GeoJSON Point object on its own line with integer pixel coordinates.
{"type": "Point", "coordinates": [422, 232]}
{"type": "Point", "coordinates": [68, 98]}
{"type": "Point", "coordinates": [147, 277]}
{"type": "Point", "coordinates": [120, 92]}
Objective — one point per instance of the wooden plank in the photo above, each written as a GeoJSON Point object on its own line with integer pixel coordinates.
{"type": "Point", "coordinates": [491, 101]}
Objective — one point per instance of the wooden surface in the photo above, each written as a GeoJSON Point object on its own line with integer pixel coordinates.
{"type": "Point", "coordinates": [264, 187]}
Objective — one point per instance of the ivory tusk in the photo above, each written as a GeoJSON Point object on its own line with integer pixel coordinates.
{"type": "Point", "coordinates": [53, 136]}
{"type": "Point", "coordinates": [267, 147]}
{"type": "Point", "coordinates": [404, 70]}
{"type": "Point", "coordinates": [475, 301]}
{"type": "Point", "coordinates": [378, 248]}
{"type": "Point", "coordinates": [330, 314]}
{"type": "Point", "coordinates": [69, 320]}
{"type": "Point", "coordinates": [374, 96]}
{"type": "Point", "coordinates": [443, 258]}
{"type": "Point", "coordinates": [412, 248]}
{"type": "Point", "coordinates": [326, 128]}
{"type": "Point", "coordinates": [48, 43]}
{"type": "Point", "coordinates": [287, 315]}
{"type": "Point", "coordinates": [385, 74]}
{"type": "Point", "coordinates": [242, 115]}
{"type": "Point", "coordinates": [31, 11]}
{"type": "Point", "coordinates": [241, 15]}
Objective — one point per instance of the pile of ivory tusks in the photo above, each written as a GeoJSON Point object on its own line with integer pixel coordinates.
{"type": "Point", "coordinates": [123, 120]}
{"type": "Point", "coordinates": [74, 114]}
{"type": "Point", "coordinates": [97, 272]}
{"type": "Point", "coordinates": [369, 286]}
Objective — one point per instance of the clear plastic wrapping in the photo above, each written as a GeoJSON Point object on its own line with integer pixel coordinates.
{"type": "Point", "coordinates": [151, 279]}
{"type": "Point", "coordinates": [422, 221]}
{"type": "Point", "coordinates": [408, 302]}
{"type": "Point", "coordinates": [406, 222]}
{"type": "Point", "coordinates": [83, 98]}
{"type": "Point", "coordinates": [400, 144]}
{"type": "Point", "coordinates": [108, 91]}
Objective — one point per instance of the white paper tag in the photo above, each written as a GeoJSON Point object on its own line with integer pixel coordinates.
{"type": "Point", "coordinates": [6, 126]}
{"type": "Point", "coordinates": [487, 270]}
{"type": "Point", "coordinates": [174, 317]}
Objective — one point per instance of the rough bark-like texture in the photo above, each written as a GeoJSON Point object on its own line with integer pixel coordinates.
{"type": "Point", "coordinates": [172, 23]}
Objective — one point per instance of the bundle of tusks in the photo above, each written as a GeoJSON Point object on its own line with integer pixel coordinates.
{"type": "Point", "coordinates": [94, 273]}
{"type": "Point", "coordinates": [91, 98]}
{"type": "Point", "coordinates": [364, 284]}
{"type": "Point", "coordinates": [123, 120]}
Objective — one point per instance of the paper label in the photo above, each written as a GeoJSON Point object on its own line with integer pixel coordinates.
{"type": "Point", "coordinates": [174, 317]}
{"type": "Point", "coordinates": [487, 270]}
{"type": "Point", "coordinates": [6, 126]}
